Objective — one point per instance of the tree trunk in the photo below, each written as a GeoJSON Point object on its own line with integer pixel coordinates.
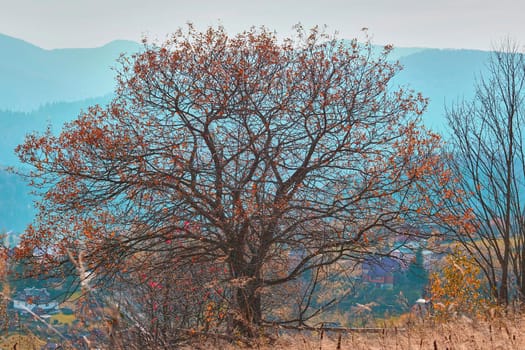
{"type": "Point", "coordinates": [247, 301]}
{"type": "Point", "coordinates": [503, 295]}
{"type": "Point", "coordinates": [249, 307]}
{"type": "Point", "coordinates": [520, 276]}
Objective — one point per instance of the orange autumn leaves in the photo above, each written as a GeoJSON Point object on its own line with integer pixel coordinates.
{"type": "Point", "coordinates": [265, 146]}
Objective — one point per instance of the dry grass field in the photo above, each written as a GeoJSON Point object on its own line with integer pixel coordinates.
{"type": "Point", "coordinates": [464, 334]}
{"type": "Point", "coordinates": [21, 342]}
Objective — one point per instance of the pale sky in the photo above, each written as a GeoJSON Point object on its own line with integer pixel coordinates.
{"type": "Point", "coordinates": [474, 24]}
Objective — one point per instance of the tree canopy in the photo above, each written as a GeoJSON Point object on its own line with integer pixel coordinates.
{"type": "Point", "coordinates": [261, 158]}
{"type": "Point", "coordinates": [488, 150]}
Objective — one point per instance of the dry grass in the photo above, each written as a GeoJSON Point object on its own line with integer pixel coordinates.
{"type": "Point", "coordinates": [21, 342]}
{"type": "Point", "coordinates": [462, 334]}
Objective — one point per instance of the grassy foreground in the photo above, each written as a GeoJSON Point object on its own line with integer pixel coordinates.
{"type": "Point", "coordinates": [20, 342]}
{"type": "Point", "coordinates": [462, 334]}
{"type": "Point", "coordinates": [507, 333]}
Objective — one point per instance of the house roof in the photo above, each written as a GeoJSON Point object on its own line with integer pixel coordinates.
{"type": "Point", "coordinates": [381, 267]}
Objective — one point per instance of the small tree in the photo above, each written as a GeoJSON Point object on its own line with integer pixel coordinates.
{"type": "Point", "coordinates": [459, 287]}
{"type": "Point", "coordinates": [414, 281]}
{"type": "Point", "coordinates": [239, 152]}
{"type": "Point", "coordinates": [487, 143]}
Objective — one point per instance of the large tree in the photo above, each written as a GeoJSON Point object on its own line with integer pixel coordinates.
{"type": "Point", "coordinates": [487, 143]}
{"type": "Point", "coordinates": [266, 158]}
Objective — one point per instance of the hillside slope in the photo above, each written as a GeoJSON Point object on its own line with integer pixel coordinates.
{"type": "Point", "coordinates": [31, 76]}
{"type": "Point", "coordinates": [444, 76]}
{"type": "Point", "coordinates": [35, 83]}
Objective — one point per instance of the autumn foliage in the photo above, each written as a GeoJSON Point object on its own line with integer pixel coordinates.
{"type": "Point", "coordinates": [249, 159]}
{"type": "Point", "coordinates": [459, 288]}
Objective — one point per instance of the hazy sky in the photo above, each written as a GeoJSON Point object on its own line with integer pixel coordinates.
{"type": "Point", "coordinates": [428, 23]}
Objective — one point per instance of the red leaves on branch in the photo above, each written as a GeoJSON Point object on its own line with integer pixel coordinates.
{"type": "Point", "coordinates": [239, 152]}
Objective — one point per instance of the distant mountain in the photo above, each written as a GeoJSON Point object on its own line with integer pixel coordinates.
{"type": "Point", "coordinates": [16, 203]}
{"type": "Point", "coordinates": [31, 76]}
{"type": "Point", "coordinates": [49, 87]}
{"type": "Point", "coordinates": [15, 126]}
{"type": "Point", "coordinates": [400, 52]}
{"type": "Point", "coordinates": [444, 76]}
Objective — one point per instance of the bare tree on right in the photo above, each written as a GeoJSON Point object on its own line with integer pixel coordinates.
{"type": "Point", "coordinates": [487, 140]}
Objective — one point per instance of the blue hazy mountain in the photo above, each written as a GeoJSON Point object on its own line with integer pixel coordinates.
{"type": "Point", "coordinates": [31, 76]}
{"type": "Point", "coordinates": [443, 76]}
{"type": "Point", "coordinates": [41, 88]}
{"type": "Point", "coordinates": [16, 204]}
{"type": "Point", "coordinates": [15, 126]}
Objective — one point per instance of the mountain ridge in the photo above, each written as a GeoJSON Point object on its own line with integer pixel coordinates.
{"type": "Point", "coordinates": [39, 87]}
{"type": "Point", "coordinates": [32, 76]}
{"type": "Point", "coordinates": [4, 38]}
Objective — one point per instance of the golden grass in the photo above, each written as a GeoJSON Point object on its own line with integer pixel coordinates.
{"type": "Point", "coordinates": [463, 334]}
{"type": "Point", "coordinates": [22, 342]}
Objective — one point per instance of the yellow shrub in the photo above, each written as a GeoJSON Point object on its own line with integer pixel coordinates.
{"type": "Point", "coordinates": [458, 288]}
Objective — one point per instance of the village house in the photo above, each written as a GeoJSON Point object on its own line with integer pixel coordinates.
{"type": "Point", "coordinates": [380, 271]}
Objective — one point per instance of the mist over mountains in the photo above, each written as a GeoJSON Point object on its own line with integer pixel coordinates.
{"type": "Point", "coordinates": [41, 88]}
{"type": "Point", "coordinates": [31, 76]}
{"type": "Point", "coordinates": [444, 76]}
